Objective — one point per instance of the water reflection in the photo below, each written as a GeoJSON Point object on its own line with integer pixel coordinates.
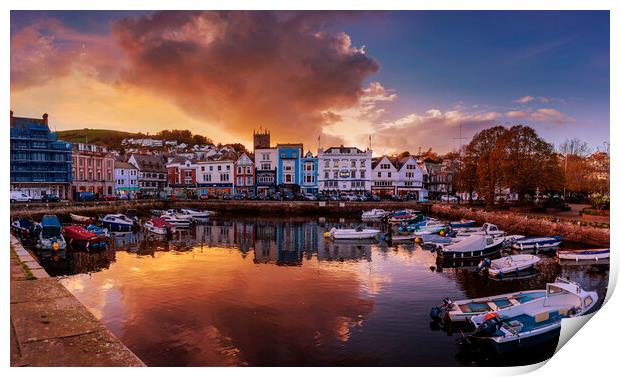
{"type": "Point", "coordinates": [274, 292]}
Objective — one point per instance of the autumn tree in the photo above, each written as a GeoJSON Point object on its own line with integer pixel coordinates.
{"type": "Point", "coordinates": [525, 162]}
{"type": "Point", "coordinates": [481, 157]}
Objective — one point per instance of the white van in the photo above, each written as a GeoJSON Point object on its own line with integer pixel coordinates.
{"type": "Point", "coordinates": [18, 196]}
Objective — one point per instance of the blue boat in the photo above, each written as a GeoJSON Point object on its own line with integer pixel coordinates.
{"type": "Point", "coordinates": [50, 237]}
{"type": "Point", "coordinates": [463, 224]}
{"type": "Point", "coordinates": [536, 243]}
{"type": "Point", "coordinates": [97, 230]}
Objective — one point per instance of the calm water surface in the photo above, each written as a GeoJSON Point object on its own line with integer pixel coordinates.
{"type": "Point", "coordinates": [272, 292]}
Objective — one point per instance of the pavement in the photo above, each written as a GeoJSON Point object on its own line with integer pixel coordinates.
{"type": "Point", "coordinates": [50, 327]}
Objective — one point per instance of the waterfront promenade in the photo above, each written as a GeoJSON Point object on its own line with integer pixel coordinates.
{"type": "Point", "coordinates": [50, 327]}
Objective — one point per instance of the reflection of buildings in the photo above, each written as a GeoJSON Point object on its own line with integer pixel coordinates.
{"type": "Point", "coordinates": [343, 250]}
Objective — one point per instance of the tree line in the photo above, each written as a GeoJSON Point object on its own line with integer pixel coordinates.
{"type": "Point", "coordinates": [517, 159]}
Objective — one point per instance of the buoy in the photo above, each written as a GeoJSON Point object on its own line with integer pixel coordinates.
{"type": "Point", "coordinates": [442, 233]}
{"type": "Point", "coordinates": [418, 240]}
{"type": "Point", "coordinates": [326, 234]}
{"type": "Point", "coordinates": [55, 246]}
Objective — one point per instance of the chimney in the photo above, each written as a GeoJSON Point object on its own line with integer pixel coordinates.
{"type": "Point", "coordinates": [45, 119]}
{"type": "Point", "coordinates": [11, 118]}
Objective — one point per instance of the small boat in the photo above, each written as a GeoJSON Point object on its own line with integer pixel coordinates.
{"type": "Point", "coordinates": [462, 224]}
{"type": "Point", "coordinates": [507, 265]}
{"type": "Point", "coordinates": [375, 214]}
{"type": "Point", "coordinates": [81, 219]}
{"type": "Point", "coordinates": [174, 212]}
{"type": "Point", "coordinates": [118, 223]}
{"type": "Point", "coordinates": [533, 322]}
{"type": "Point", "coordinates": [407, 215]}
{"type": "Point", "coordinates": [158, 225]}
{"type": "Point", "coordinates": [475, 246]}
{"type": "Point", "coordinates": [399, 237]}
{"type": "Point", "coordinates": [176, 221]}
{"type": "Point", "coordinates": [353, 234]}
{"type": "Point", "coordinates": [583, 254]}
{"type": "Point", "coordinates": [25, 228]}
{"type": "Point", "coordinates": [536, 243]}
{"type": "Point", "coordinates": [100, 231]}
{"type": "Point", "coordinates": [80, 238]}
{"type": "Point", "coordinates": [462, 310]}
{"type": "Point", "coordinates": [50, 236]}
{"type": "Point", "coordinates": [197, 215]}
{"type": "Point", "coordinates": [486, 229]}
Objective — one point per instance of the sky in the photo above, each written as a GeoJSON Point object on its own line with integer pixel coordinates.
{"type": "Point", "coordinates": [398, 81]}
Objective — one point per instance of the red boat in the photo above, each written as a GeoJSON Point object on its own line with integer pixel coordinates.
{"type": "Point", "coordinates": [78, 237]}
{"type": "Point", "coordinates": [158, 225]}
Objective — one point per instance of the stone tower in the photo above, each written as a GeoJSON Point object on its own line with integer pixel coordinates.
{"type": "Point", "coordinates": [262, 139]}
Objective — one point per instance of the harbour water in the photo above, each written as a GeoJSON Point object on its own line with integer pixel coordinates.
{"type": "Point", "coordinates": [270, 292]}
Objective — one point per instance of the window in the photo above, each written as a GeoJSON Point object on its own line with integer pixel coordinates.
{"type": "Point", "coordinates": [219, 168]}
{"type": "Point", "coordinates": [239, 170]}
{"type": "Point", "coordinates": [379, 174]}
{"type": "Point", "coordinates": [326, 174]}
{"type": "Point", "coordinates": [353, 174]}
{"type": "Point", "coordinates": [202, 168]}
{"type": "Point", "coordinates": [224, 177]}
{"type": "Point", "coordinates": [389, 174]}
{"type": "Point", "coordinates": [327, 163]}
{"type": "Point", "coordinates": [228, 167]}
{"type": "Point", "coordinates": [210, 168]}
{"type": "Point", "coordinates": [362, 174]}
{"type": "Point", "coordinates": [206, 177]}
{"type": "Point", "coordinates": [353, 162]}
{"type": "Point", "coordinates": [288, 178]}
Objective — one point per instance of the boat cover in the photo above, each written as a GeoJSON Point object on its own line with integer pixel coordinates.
{"type": "Point", "coordinates": [50, 226]}
{"type": "Point", "coordinates": [472, 243]}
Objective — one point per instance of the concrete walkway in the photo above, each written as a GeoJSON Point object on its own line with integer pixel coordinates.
{"type": "Point", "coordinates": [50, 327]}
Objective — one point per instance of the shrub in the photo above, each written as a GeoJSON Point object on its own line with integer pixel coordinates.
{"type": "Point", "coordinates": [600, 201]}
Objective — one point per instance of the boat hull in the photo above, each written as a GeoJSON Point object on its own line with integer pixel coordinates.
{"type": "Point", "coordinates": [117, 227]}
{"type": "Point", "coordinates": [594, 255]}
{"type": "Point", "coordinates": [470, 255]}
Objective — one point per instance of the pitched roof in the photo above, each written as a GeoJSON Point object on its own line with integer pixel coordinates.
{"type": "Point", "coordinates": [149, 163]}
{"type": "Point", "coordinates": [123, 165]}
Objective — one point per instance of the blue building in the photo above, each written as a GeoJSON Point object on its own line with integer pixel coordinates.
{"type": "Point", "coordinates": [39, 163]}
{"type": "Point", "coordinates": [289, 170]}
{"type": "Point", "coordinates": [310, 174]}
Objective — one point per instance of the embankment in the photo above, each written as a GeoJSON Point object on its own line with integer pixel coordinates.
{"type": "Point", "coordinates": [516, 223]}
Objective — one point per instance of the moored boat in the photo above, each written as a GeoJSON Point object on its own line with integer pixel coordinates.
{"type": "Point", "coordinates": [50, 236]}
{"type": "Point", "coordinates": [486, 229]}
{"type": "Point", "coordinates": [353, 234]}
{"type": "Point", "coordinates": [583, 254]}
{"type": "Point", "coordinates": [197, 215]}
{"type": "Point", "coordinates": [375, 214]}
{"type": "Point", "coordinates": [462, 310]}
{"type": "Point", "coordinates": [533, 322]}
{"type": "Point", "coordinates": [176, 221]}
{"type": "Point", "coordinates": [475, 246]}
{"type": "Point", "coordinates": [79, 238]}
{"type": "Point", "coordinates": [100, 231]}
{"type": "Point", "coordinates": [462, 223]}
{"type": "Point", "coordinates": [81, 219]}
{"type": "Point", "coordinates": [25, 228]}
{"type": "Point", "coordinates": [508, 265]}
{"type": "Point", "coordinates": [118, 223]}
{"type": "Point", "coordinates": [158, 225]}
{"type": "Point", "coordinates": [536, 243]}
{"type": "Point", "coordinates": [407, 215]}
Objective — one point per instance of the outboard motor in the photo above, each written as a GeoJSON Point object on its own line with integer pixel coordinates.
{"type": "Point", "coordinates": [483, 265]}
{"type": "Point", "coordinates": [438, 313]}
{"type": "Point", "coordinates": [489, 327]}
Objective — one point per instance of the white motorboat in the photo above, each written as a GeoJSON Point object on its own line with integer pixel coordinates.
{"type": "Point", "coordinates": [353, 234]}
{"type": "Point", "coordinates": [536, 243]}
{"type": "Point", "coordinates": [462, 310]}
{"type": "Point", "coordinates": [475, 246]}
{"type": "Point", "coordinates": [533, 322]}
{"type": "Point", "coordinates": [177, 214]}
{"type": "Point", "coordinates": [486, 229]}
{"type": "Point", "coordinates": [197, 214]}
{"type": "Point", "coordinates": [375, 214]}
{"type": "Point", "coordinates": [584, 254]}
{"type": "Point", "coordinates": [508, 265]}
{"type": "Point", "coordinates": [177, 222]}
{"type": "Point", "coordinates": [119, 223]}
{"type": "Point", "coordinates": [81, 219]}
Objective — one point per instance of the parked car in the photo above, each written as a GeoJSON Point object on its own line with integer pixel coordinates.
{"type": "Point", "coordinates": [18, 196]}
{"type": "Point", "coordinates": [288, 196]}
{"type": "Point", "coordinates": [85, 196]}
{"type": "Point", "coordinates": [449, 198]}
{"type": "Point", "coordinates": [322, 197]}
{"type": "Point", "coordinates": [227, 196]}
{"type": "Point", "coordinates": [395, 198]}
{"type": "Point", "coordinates": [310, 196]}
{"type": "Point", "coordinates": [239, 196]}
{"type": "Point", "coordinates": [122, 197]}
{"type": "Point", "coordinates": [251, 196]}
{"type": "Point", "coordinates": [347, 196]}
{"type": "Point", "coordinates": [108, 198]}
{"type": "Point", "coordinates": [49, 198]}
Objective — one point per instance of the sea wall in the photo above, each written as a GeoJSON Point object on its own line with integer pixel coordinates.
{"type": "Point", "coordinates": [517, 223]}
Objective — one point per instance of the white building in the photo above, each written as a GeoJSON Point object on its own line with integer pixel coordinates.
{"type": "Point", "coordinates": [215, 177]}
{"type": "Point", "coordinates": [344, 169]}
{"type": "Point", "coordinates": [411, 179]}
{"type": "Point", "coordinates": [385, 176]}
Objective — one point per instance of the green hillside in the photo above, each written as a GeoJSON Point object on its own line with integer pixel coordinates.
{"type": "Point", "coordinates": [107, 138]}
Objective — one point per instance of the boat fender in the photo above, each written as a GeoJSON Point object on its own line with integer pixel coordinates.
{"type": "Point", "coordinates": [483, 265]}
